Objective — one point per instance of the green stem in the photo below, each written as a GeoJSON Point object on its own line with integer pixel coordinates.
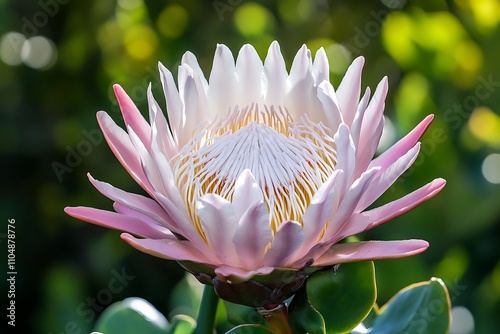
{"type": "Point", "coordinates": [208, 308]}
{"type": "Point", "coordinates": [277, 319]}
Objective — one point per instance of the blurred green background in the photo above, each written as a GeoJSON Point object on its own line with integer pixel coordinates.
{"type": "Point", "coordinates": [59, 59]}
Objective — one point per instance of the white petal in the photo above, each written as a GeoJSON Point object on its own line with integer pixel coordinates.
{"type": "Point", "coordinates": [148, 165]}
{"type": "Point", "coordinates": [370, 250]}
{"type": "Point", "coordinates": [403, 145]}
{"type": "Point", "coordinates": [219, 224]}
{"type": "Point", "coordinates": [387, 178]}
{"type": "Point", "coordinates": [320, 211]}
{"type": "Point", "coordinates": [118, 221]}
{"type": "Point", "coordinates": [246, 193]}
{"type": "Point", "coordinates": [288, 239]}
{"type": "Point", "coordinates": [276, 75]}
{"type": "Point", "coordinates": [190, 59]}
{"type": "Point", "coordinates": [222, 82]}
{"type": "Point", "coordinates": [350, 89]}
{"type": "Point", "coordinates": [160, 132]}
{"type": "Point", "coordinates": [172, 249]}
{"type": "Point", "coordinates": [348, 203]}
{"type": "Point", "coordinates": [237, 275]}
{"type": "Point", "coordinates": [321, 68]}
{"type": "Point", "coordinates": [249, 76]}
{"type": "Point", "coordinates": [187, 227]}
{"type": "Point", "coordinates": [175, 109]}
{"type": "Point", "coordinates": [136, 202]}
{"type": "Point", "coordinates": [369, 219]}
{"type": "Point", "coordinates": [121, 145]}
{"type": "Point", "coordinates": [195, 103]}
{"type": "Point", "coordinates": [253, 235]}
{"type": "Point", "coordinates": [346, 157]}
{"type": "Point", "coordinates": [331, 115]}
{"type": "Point", "coordinates": [358, 119]}
{"type": "Point", "coordinates": [370, 134]}
{"type": "Point", "coordinates": [300, 84]}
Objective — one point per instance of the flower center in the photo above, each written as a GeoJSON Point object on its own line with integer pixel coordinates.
{"type": "Point", "coordinates": [289, 160]}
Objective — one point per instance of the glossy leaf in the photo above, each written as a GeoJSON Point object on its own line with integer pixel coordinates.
{"type": "Point", "coordinates": [130, 316]}
{"type": "Point", "coordinates": [304, 318]}
{"type": "Point", "coordinates": [419, 308]}
{"type": "Point", "coordinates": [241, 314]}
{"type": "Point", "coordinates": [250, 329]}
{"type": "Point", "coordinates": [343, 297]}
{"type": "Point", "coordinates": [181, 324]}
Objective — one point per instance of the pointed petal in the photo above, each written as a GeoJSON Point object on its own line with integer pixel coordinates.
{"type": "Point", "coordinates": [121, 145]}
{"type": "Point", "coordinates": [288, 239]}
{"type": "Point", "coordinates": [403, 145]}
{"type": "Point", "coordinates": [320, 211]}
{"type": "Point", "coordinates": [160, 132]}
{"type": "Point", "coordinates": [130, 212]}
{"type": "Point", "coordinates": [371, 250]}
{"type": "Point", "coordinates": [370, 219]}
{"type": "Point", "coordinates": [238, 275]}
{"type": "Point", "coordinates": [136, 202]}
{"type": "Point", "coordinates": [358, 119]}
{"type": "Point", "coordinates": [148, 165]}
{"type": "Point", "coordinates": [219, 224]}
{"type": "Point", "coordinates": [175, 108]}
{"type": "Point", "coordinates": [186, 225]}
{"type": "Point", "coordinates": [190, 59]}
{"type": "Point", "coordinates": [321, 68]}
{"type": "Point", "coordinates": [300, 84]}
{"type": "Point", "coordinates": [246, 193]}
{"type": "Point", "coordinates": [276, 75]}
{"type": "Point", "coordinates": [367, 149]}
{"type": "Point", "coordinates": [131, 115]}
{"type": "Point", "coordinates": [117, 221]}
{"type": "Point", "coordinates": [330, 113]}
{"type": "Point", "coordinates": [195, 103]}
{"type": "Point", "coordinates": [349, 202]}
{"type": "Point", "coordinates": [346, 157]}
{"type": "Point", "coordinates": [253, 235]}
{"type": "Point", "coordinates": [169, 249]}
{"type": "Point", "coordinates": [249, 76]}
{"type": "Point", "coordinates": [350, 89]}
{"type": "Point", "coordinates": [387, 177]}
{"type": "Point", "coordinates": [375, 110]}
{"type": "Point", "coordinates": [222, 82]}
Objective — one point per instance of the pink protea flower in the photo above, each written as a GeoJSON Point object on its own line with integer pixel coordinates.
{"type": "Point", "coordinates": [258, 172]}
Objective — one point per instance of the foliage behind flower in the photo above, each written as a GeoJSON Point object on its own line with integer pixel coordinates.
{"type": "Point", "coordinates": [258, 169]}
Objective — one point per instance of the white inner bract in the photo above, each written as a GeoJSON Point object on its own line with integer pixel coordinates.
{"type": "Point", "coordinates": [289, 159]}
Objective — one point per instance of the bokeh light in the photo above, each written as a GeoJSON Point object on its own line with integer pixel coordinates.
{"type": "Point", "coordinates": [484, 124]}
{"type": "Point", "coordinates": [491, 168]}
{"type": "Point", "coordinates": [39, 53]}
{"type": "Point", "coordinates": [252, 19]}
{"type": "Point", "coordinates": [141, 42]}
{"type": "Point", "coordinates": [173, 21]}
{"type": "Point", "coordinates": [10, 48]}
{"type": "Point", "coordinates": [463, 321]}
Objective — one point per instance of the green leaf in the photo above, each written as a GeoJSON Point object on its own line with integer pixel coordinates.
{"type": "Point", "coordinates": [419, 308]}
{"type": "Point", "coordinates": [304, 318]}
{"type": "Point", "coordinates": [250, 329]}
{"type": "Point", "coordinates": [343, 297]}
{"type": "Point", "coordinates": [181, 324]}
{"type": "Point", "coordinates": [241, 314]}
{"type": "Point", "coordinates": [132, 315]}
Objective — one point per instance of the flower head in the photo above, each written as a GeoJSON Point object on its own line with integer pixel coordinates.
{"type": "Point", "coordinates": [258, 171]}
